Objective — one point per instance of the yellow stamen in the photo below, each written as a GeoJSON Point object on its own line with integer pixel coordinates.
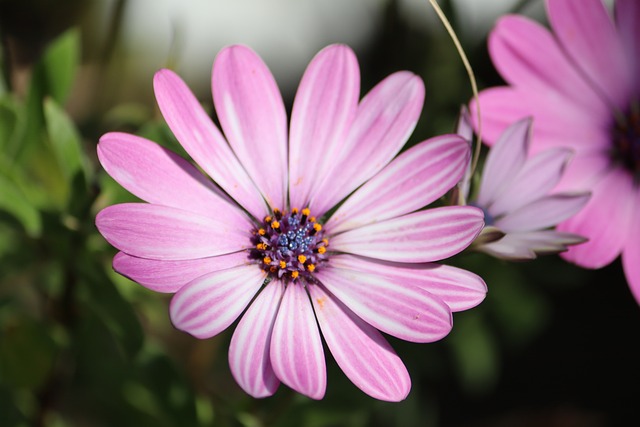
{"type": "Point", "coordinates": [312, 219]}
{"type": "Point", "coordinates": [294, 274]}
{"type": "Point", "coordinates": [262, 232]}
{"type": "Point", "coordinates": [272, 269]}
{"type": "Point", "coordinates": [294, 211]}
{"type": "Point", "coordinates": [306, 211]}
{"type": "Point", "coordinates": [283, 264]}
{"type": "Point", "coordinates": [311, 267]}
{"type": "Point", "coordinates": [322, 250]}
{"type": "Point", "coordinates": [266, 260]}
{"type": "Point", "coordinates": [267, 218]}
{"type": "Point", "coordinates": [317, 227]}
{"type": "Point", "coordinates": [275, 225]}
{"type": "Point", "coordinates": [302, 258]}
{"type": "Point", "coordinates": [326, 242]}
{"type": "Point", "coordinates": [261, 246]}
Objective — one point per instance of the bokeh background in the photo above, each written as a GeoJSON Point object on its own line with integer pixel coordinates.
{"type": "Point", "coordinates": [552, 345]}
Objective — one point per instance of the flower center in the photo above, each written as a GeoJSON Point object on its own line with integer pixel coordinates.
{"type": "Point", "coordinates": [290, 245]}
{"type": "Point", "coordinates": [626, 137]}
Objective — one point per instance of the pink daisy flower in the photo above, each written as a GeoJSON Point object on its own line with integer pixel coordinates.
{"type": "Point", "coordinates": [581, 85]}
{"type": "Point", "coordinates": [515, 193]}
{"type": "Point", "coordinates": [266, 234]}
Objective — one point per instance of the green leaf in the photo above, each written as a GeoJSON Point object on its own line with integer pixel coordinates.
{"type": "Point", "coordinates": [27, 353]}
{"type": "Point", "coordinates": [65, 141]}
{"type": "Point", "coordinates": [116, 313]}
{"type": "Point", "coordinates": [60, 63]}
{"type": "Point", "coordinates": [8, 119]}
{"type": "Point", "coordinates": [15, 203]}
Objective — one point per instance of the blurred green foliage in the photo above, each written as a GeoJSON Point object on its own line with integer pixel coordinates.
{"type": "Point", "coordinates": [82, 346]}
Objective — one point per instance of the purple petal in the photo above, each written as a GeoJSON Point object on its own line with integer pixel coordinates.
{"type": "Point", "coordinates": [628, 17]}
{"type": "Point", "coordinates": [604, 221]}
{"type": "Point", "coordinates": [203, 141]}
{"type": "Point", "coordinates": [534, 180]}
{"type": "Point", "coordinates": [164, 233]}
{"type": "Point", "coordinates": [515, 45]}
{"type": "Point", "coordinates": [413, 180]}
{"type": "Point", "coordinates": [459, 289]}
{"type": "Point", "coordinates": [504, 160]}
{"type": "Point", "coordinates": [170, 276]}
{"type": "Point", "coordinates": [296, 354]}
{"type": "Point", "coordinates": [394, 307]}
{"type": "Point", "coordinates": [527, 245]}
{"type": "Point", "coordinates": [547, 211]}
{"type": "Point", "coordinates": [589, 37]}
{"type": "Point", "coordinates": [557, 123]}
{"type": "Point", "coordinates": [253, 118]}
{"type": "Point", "coordinates": [159, 176]}
{"type": "Point", "coordinates": [360, 350]}
{"type": "Point", "coordinates": [249, 349]}
{"type": "Point", "coordinates": [209, 304]}
{"type": "Point", "coordinates": [423, 236]}
{"type": "Point", "coordinates": [631, 252]}
{"type": "Point", "coordinates": [384, 121]}
{"type": "Point", "coordinates": [323, 110]}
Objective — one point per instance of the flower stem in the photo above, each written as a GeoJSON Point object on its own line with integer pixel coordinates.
{"type": "Point", "coordinates": [472, 78]}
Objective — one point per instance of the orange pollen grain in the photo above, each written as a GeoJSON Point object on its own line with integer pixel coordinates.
{"type": "Point", "coordinates": [266, 260]}
{"type": "Point", "coordinates": [275, 225]}
{"type": "Point", "coordinates": [261, 246]}
{"type": "Point", "coordinates": [302, 258]}
{"type": "Point", "coordinates": [306, 211]}
{"type": "Point", "coordinates": [317, 227]}
{"type": "Point", "coordinates": [294, 211]}
{"type": "Point", "coordinates": [267, 218]}
{"type": "Point", "coordinates": [311, 267]}
{"type": "Point", "coordinates": [294, 274]}
{"type": "Point", "coordinates": [283, 264]}
{"type": "Point", "coordinates": [322, 250]}
{"type": "Point", "coordinates": [262, 232]}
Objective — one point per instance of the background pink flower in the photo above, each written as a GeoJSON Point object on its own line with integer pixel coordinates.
{"type": "Point", "coordinates": [250, 238]}
{"type": "Point", "coordinates": [581, 85]}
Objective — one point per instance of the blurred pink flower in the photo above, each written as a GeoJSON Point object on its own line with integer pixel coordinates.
{"type": "Point", "coordinates": [248, 239]}
{"type": "Point", "coordinates": [515, 195]}
{"type": "Point", "coordinates": [581, 85]}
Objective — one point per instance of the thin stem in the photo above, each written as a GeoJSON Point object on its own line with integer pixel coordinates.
{"type": "Point", "coordinates": [472, 78]}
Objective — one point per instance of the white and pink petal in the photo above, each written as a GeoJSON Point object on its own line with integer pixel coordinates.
{"type": "Point", "coordinates": [207, 305]}
{"type": "Point", "coordinates": [323, 110]}
{"type": "Point", "coordinates": [203, 141]}
{"type": "Point", "coordinates": [459, 289]}
{"type": "Point", "coordinates": [169, 276]}
{"type": "Point", "coordinates": [159, 176]}
{"type": "Point", "coordinates": [164, 233]}
{"type": "Point", "coordinates": [424, 236]}
{"type": "Point", "coordinates": [411, 181]}
{"type": "Point", "coordinates": [249, 350]}
{"type": "Point", "coordinates": [385, 119]}
{"type": "Point", "coordinates": [396, 308]}
{"type": "Point", "coordinates": [252, 115]}
{"type": "Point", "coordinates": [296, 352]}
{"type": "Point", "coordinates": [360, 350]}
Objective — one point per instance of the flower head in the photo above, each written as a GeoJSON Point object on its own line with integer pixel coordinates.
{"type": "Point", "coordinates": [515, 194]}
{"type": "Point", "coordinates": [259, 237]}
{"type": "Point", "coordinates": [581, 84]}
